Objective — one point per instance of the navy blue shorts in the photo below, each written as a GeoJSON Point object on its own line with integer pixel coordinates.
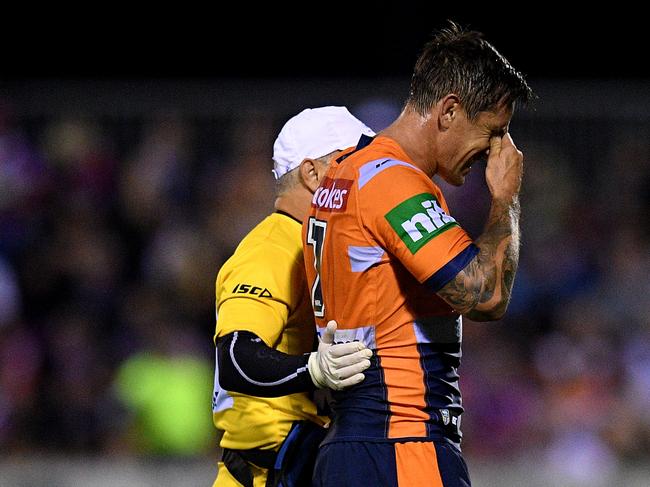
{"type": "Point", "coordinates": [407, 464]}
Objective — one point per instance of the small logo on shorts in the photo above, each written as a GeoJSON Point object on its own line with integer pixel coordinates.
{"type": "Point", "coordinates": [444, 413]}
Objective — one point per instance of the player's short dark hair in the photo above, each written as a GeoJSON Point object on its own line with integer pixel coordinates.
{"type": "Point", "coordinates": [462, 62]}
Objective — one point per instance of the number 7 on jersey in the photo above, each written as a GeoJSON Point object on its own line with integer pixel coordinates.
{"type": "Point", "coordinates": [316, 237]}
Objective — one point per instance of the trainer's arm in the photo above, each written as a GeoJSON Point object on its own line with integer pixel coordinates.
{"type": "Point", "coordinates": [482, 290]}
{"type": "Point", "coordinates": [248, 366]}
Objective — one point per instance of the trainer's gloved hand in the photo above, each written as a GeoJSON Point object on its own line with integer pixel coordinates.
{"type": "Point", "coordinates": [340, 365]}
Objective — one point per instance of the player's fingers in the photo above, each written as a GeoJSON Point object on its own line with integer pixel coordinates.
{"type": "Point", "coordinates": [506, 141]}
{"type": "Point", "coordinates": [328, 333]}
{"type": "Point", "coordinates": [508, 148]}
{"type": "Point", "coordinates": [495, 145]}
{"type": "Point", "coordinates": [341, 349]}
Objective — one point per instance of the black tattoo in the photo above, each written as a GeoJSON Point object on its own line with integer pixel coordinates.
{"type": "Point", "coordinates": [482, 290]}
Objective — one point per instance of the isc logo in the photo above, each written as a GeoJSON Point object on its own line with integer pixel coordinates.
{"type": "Point", "coordinates": [262, 292]}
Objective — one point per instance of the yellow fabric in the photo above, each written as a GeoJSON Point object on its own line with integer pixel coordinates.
{"type": "Point", "coordinates": [262, 289]}
{"type": "Point", "coordinates": [224, 479]}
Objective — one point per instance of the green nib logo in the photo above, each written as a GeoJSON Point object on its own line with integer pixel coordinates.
{"type": "Point", "coordinates": [418, 219]}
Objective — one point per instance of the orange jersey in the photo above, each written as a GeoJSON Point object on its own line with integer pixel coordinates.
{"type": "Point", "coordinates": [379, 242]}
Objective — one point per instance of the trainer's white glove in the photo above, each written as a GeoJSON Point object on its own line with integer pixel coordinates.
{"type": "Point", "coordinates": [340, 365]}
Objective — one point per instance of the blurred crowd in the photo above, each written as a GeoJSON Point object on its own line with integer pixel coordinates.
{"type": "Point", "coordinates": [112, 231]}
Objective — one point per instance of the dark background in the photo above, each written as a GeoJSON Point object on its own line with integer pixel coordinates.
{"type": "Point", "coordinates": [333, 39]}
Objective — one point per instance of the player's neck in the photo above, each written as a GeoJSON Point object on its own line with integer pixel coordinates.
{"type": "Point", "coordinates": [416, 136]}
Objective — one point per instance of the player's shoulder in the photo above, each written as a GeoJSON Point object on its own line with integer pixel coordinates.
{"type": "Point", "coordinates": [383, 163]}
{"type": "Point", "coordinates": [385, 172]}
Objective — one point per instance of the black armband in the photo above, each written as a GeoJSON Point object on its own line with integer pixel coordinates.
{"type": "Point", "coordinates": [248, 366]}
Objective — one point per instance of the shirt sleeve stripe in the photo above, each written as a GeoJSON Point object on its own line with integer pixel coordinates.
{"type": "Point", "coordinates": [370, 169]}
{"type": "Point", "coordinates": [447, 272]}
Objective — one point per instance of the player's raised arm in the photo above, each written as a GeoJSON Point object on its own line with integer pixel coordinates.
{"type": "Point", "coordinates": [482, 290]}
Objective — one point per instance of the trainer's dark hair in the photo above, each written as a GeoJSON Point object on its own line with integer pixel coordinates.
{"type": "Point", "coordinates": [462, 62]}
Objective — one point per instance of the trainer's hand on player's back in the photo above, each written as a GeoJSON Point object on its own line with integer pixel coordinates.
{"type": "Point", "coordinates": [340, 365]}
{"type": "Point", "coordinates": [504, 169]}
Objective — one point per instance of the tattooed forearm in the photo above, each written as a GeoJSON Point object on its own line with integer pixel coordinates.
{"type": "Point", "coordinates": [482, 290]}
{"type": "Point", "coordinates": [464, 291]}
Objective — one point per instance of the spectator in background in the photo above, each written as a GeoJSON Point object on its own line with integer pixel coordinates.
{"type": "Point", "coordinates": [164, 385]}
{"type": "Point", "coordinates": [78, 247]}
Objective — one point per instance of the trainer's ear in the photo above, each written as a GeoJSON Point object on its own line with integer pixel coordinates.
{"type": "Point", "coordinates": [448, 110]}
{"type": "Point", "coordinates": [311, 173]}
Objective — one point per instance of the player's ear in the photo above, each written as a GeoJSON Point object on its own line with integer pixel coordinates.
{"type": "Point", "coordinates": [448, 110]}
{"type": "Point", "coordinates": [309, 174]}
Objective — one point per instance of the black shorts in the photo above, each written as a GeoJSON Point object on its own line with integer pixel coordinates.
{"type": "Point", "coordinates": [406, 464]}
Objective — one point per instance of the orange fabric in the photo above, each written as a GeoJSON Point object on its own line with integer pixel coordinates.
{"type": "Point", "coordinates": [357, 298]}
{"type": "Point", "coordinates": [395, 222]}
{"type": "Point", "coordinates": [417, 465]}
{"type": "Point", "coordinates": [407, 403]}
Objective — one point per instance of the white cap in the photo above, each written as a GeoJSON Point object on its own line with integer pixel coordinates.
{"type": "Point", "coordinates": [314, 133]}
